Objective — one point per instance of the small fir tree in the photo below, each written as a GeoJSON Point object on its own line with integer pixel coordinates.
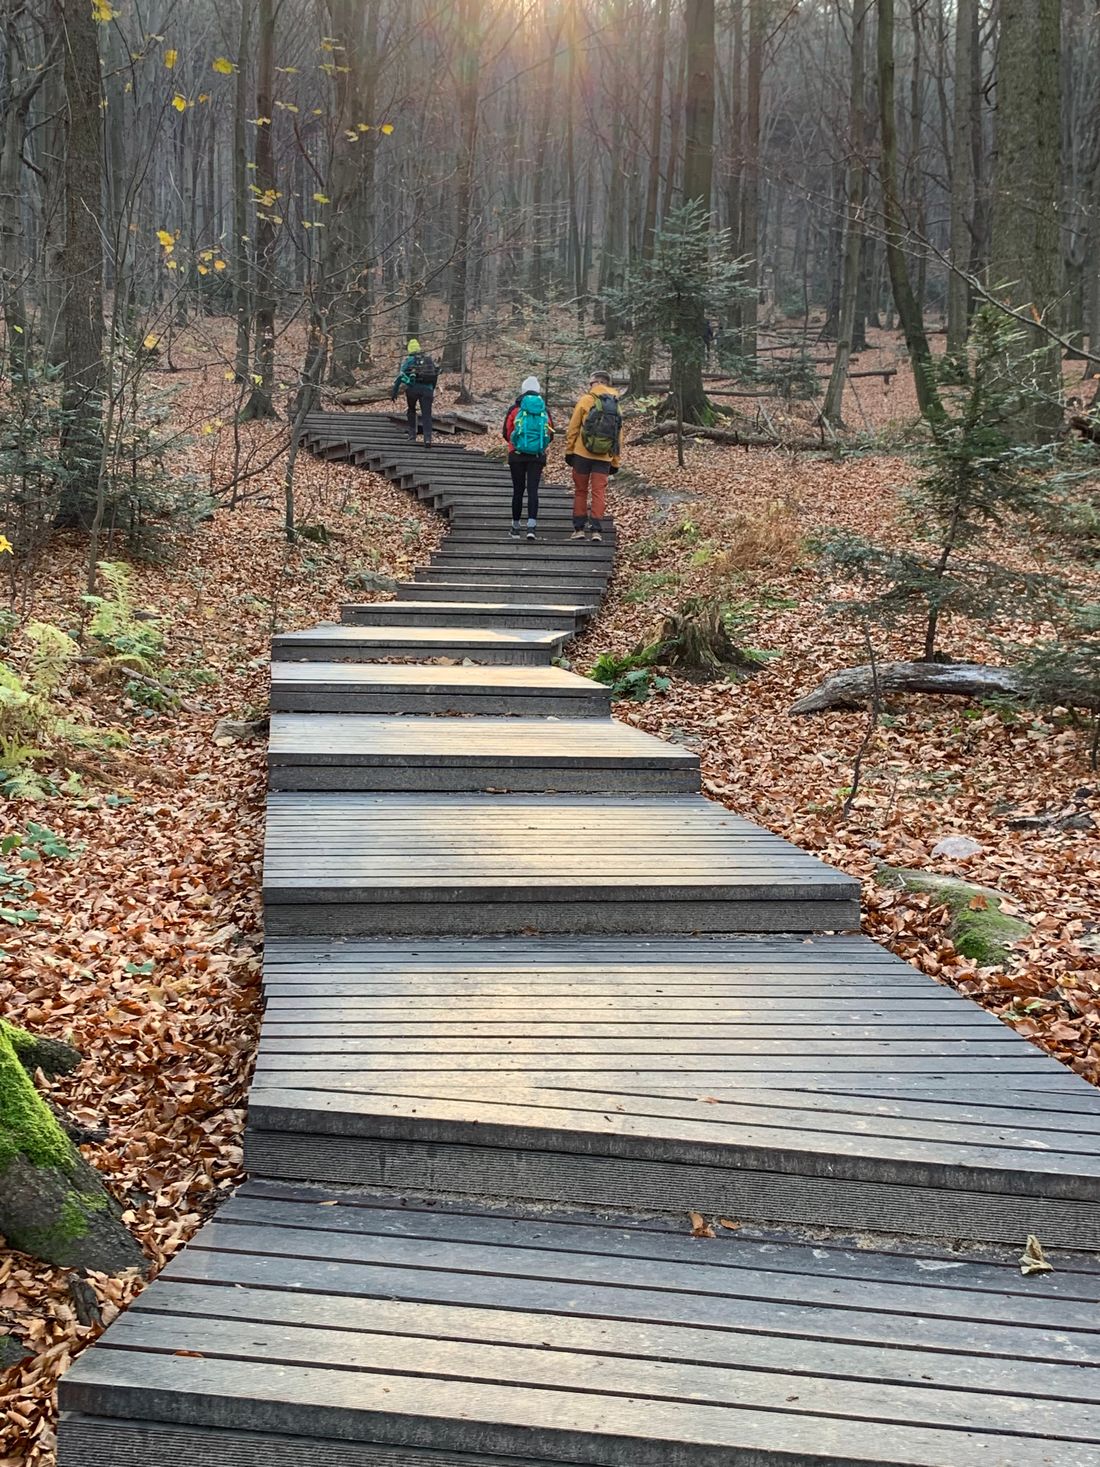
{"type": "Point", "coordinates": [691, 274]}
{"type": "Point", "coordinates": [977, 479]}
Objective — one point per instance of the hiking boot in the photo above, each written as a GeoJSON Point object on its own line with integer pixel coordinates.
{"type": "Point", "coordinates": [530, 532]}
{"type": "Point", "coordinates": [513, 533]}
{"type": "Point", "coordinates": [597, 538]}
{"type": "Point", "coordinates": [577, 535]}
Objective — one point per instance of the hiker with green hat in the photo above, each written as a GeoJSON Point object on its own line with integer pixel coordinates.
{"type": "Point", "coordinates": [418, 376]}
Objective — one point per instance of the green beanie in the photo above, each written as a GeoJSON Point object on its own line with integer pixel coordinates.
{"type": "Point", "coordinates": [414, 346]}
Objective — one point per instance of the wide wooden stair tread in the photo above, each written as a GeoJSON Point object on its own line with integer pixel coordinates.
{"type": "Point", "coordinates": [513, 954]}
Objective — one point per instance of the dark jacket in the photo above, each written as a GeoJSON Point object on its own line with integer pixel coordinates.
{"type": "Point", "coordinates": [406, 377]}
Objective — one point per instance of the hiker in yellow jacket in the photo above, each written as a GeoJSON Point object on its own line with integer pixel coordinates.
{"type": "Point", "coordinates": [592, 445]}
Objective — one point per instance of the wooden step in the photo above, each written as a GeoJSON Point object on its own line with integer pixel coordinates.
{"type": "Point", "coordinates": [586, 583]}
{"type": "Point", "coordinates": [364, 687]}
{"type": "Point", "coordinates": [368, 865]}
{"type": "Point", "coordinates": [503, 550]}
{"type": "Point", "coordinates": [820, 1084]}
{"type": "Point", "coordinates": [326, 1327]}
{"type": "Point", "coordinates": [515, 590]}
{"type": "Point", "coordinates": [485, 613]}
{"type": "Point", "coordinates": [313, 751]}
{"type": "Point", "coordinates": [335, 643]}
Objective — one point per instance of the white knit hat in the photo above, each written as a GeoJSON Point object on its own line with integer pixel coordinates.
{"type": "Point", "coordinates": [530, 384]}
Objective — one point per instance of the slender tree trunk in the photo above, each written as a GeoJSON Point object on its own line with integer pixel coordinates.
{"type": "Point", "coordinates": [750, 193]}
{"type": "Point", "coordinates": [261, 402]}
{"type": "Point", "coordinates": [242, 256]}
{"type": "Point", "coordinates": [84, 380]}
{"type": "Point", "coordinates": [687, 356]}
{"type": "Point", "coordinates": [642, 357]}
{"type": "Point", "coordinates": [912, 323]}
{"type": "Point", "coordinates": [1026, 262]}
{"type": "Point", "coordinates": [53, 212]}
{"type": "Point", "coordinates": [15, 101]}
{"type": "Point", "coordinates": [468, 20]}
{"type": "Point", "coordinates": [832, 410]}
{"type": "Point", "coordinates": [962, 164]}
{"type": "Point", "coordinates": [574, 242]}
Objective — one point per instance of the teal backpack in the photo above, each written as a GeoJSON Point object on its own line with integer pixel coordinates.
{"type": "Point", "coordinates": [531, 430]}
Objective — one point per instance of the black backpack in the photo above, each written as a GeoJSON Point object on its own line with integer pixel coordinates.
{"type": "Point", "coordinates": [425, 373]}
{"type": "Point", "coordinates": [601, 431]}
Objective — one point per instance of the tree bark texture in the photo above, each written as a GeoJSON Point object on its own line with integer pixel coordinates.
{"type": "Point", "coordinates": [962, 183]}
{"type": "Point", "coordinates": [261, 401]}
{"type": "Point", "coordinates": [1026, 257]}
{"type": "Point", "coordinates": [687, 361]}
{"type": "Point", "coordinates": [832, 410]}
{"type": "Point", "coordinates": [84, 379]}
{"type": "Point", "coordinates": [908, 307]}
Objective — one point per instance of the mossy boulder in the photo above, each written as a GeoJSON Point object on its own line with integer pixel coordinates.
{"type": "Point", "coordinates": [980, 929]}
{"type": "Point", "coordinates": [53, 1205]}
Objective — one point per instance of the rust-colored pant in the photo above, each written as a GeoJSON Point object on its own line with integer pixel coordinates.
{"type": "Point", "coordinates": [582, 484]}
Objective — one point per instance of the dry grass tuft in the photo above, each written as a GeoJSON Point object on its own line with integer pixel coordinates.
{"type": "Point", "coordinates": [769, 539]}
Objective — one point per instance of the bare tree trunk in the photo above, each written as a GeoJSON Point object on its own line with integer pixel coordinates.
{"type": "Point", "coordinates": [242, 284]}
{"type": "Point", "coordinates": [84, 379]}
{"type": "Point", "coordinates": [1026, 263]}
{"type": "Point", "coordinates": [538, 223]}
{"type": "Point", "coordinates": [962, 163]}
{"type": "Point", "coordinates": [750, 191]}
{"type": "Point", "coordinates": [687, 357]}
{"type": "Point", "coordinates": [832, 410]}
{"type": "Point", "coordinates": [912, 323]}
{"type": "Point", "coordinates": [642, 357]}
{"type": "Point", "coordinates": [261, 402]}
{"type": "Point", "coordinates": [468, 21]}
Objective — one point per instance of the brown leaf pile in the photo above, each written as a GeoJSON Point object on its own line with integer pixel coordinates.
{"type": "Point", "coordinates": [935, 768]}
{"type": "Point", "coordinates": [147, 951]}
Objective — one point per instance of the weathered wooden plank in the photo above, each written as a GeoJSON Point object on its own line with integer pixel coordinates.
{"type": "Point", "coordinates": [299, 1348]}
{"type": "Point", "coordinates": [602, 1181]}
{"type": "Point", "coordinates": [474, 1416]}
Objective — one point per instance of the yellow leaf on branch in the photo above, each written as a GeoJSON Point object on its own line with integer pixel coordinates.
{"type": "Point", "coordinates": [181, 104]}
{"type": "Point", "coordinates": [170, 58]}
{"type": "Point", "coordinates": [223, 66]}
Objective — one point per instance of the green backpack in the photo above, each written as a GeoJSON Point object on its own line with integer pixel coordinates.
{"type": "Point", "coordinates": [602, 429]}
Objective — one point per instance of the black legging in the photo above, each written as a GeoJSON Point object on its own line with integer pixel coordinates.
{"type": "Point", "coordinates": [423, 396]}
{"type": "Point", "coordinates": [526, 473]}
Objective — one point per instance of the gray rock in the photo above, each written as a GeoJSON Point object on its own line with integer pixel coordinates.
{"type": "Point", "coordinates": [955, 848]}
{"type": "Point", "coordinates": [236, 730]}
{"type": "Point", "coordinates": [1052, 820]}
{"type": "Point", "coordinates": [368, 580]}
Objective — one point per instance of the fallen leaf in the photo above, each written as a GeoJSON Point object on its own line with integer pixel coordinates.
{"type": "Point", "coordinates": [1033, 1259]}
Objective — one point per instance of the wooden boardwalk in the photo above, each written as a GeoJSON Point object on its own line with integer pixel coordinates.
{"type": "Point", "coordinates": [530, 1000]}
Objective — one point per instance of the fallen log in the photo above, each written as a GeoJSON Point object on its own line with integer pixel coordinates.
{"type": "Point", "coordinates": [731, 436]}
{"type": "Point", "coordinates": [854, 687]}
{"type": "Point", "coordinates": [358, 396]}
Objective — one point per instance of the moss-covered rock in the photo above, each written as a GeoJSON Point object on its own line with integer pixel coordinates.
{"type": "Point", "coordinates": [11, 1352]}
{"type": "Point", "coordinates": [980, 929]}
{"type": "Point", "coordinates": [52, 1203]}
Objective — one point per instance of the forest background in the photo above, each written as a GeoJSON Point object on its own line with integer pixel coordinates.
{"type": "Point", "coordinates": [215, 218]}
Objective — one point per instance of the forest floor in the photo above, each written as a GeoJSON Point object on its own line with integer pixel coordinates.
{"type": "Point", "coordinates": [146, 951]}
